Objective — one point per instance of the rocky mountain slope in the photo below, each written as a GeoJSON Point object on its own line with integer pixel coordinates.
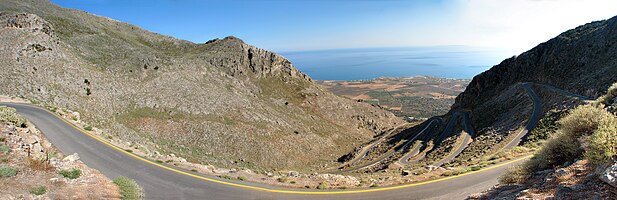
{"type": "Point", "coordinates": [580, 61]}
{"type": "Point", "coordinates": [223, 102]}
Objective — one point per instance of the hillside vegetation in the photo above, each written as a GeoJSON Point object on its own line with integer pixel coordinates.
{"type": "Point", "coordinates": [578, 62]}
{"type": "Point", "coordinates": [573, 160]}
{"type": "Point", "coordinates": [224, 102]}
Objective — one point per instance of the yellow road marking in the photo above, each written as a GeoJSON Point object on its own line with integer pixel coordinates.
{"type": "Point", "coordinates": [284, 191]}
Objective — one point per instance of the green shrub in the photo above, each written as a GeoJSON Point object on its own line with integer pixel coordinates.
{"type": "Point", "coordinates": [38, 190]}
{"type": "Point", "coordinates": [514, 175]}
{"type": "Point", "coordinates": [128, 188]}
{"type": "Point", "coordinates": [588, 131]}
{"type": "Point", "coordinates": [242, 178]}
{"type": "Point", "coordinates": [6, 171]}
{"type": "Point", "coordinates": [9, 115]}
{"type": "Point", "coordinates": [71, 174]}
{"type": "Point", "coordinates": [323, 186]}
{"type": "Point", "coordinates": [546, 127]}
{"type": "Point", "coordinates": [5, 149]}
{"type": "Point", "coordinates": [608, 96]}
{"type": "Point", "coordinates": [555, 152]}
{"type": "Point", "coordinates": [226, 177]}
{"type": "Point", "coordinates": [88, 128]}
{"type": "Point", "coordinates": [603, 142]}
{"type": "Point", "coordinates": [282, 179]}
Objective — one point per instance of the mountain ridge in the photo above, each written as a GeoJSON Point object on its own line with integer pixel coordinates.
{"type": "Point", "coordinates": [222, 102]}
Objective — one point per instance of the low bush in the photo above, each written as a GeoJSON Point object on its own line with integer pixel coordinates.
{"type": "Point", "coordinates": [603, 142]}
{"type": "Point", "coordinates": [4, 149]}
{"type": "Point", "coordinates": [39, 165]}
{"type": "Point", "coordinates": [71, 174]}
{"type": "Point", "coordinates": [6, 171]}
{"type": "Point", "coordinates": [226, 177]}
{"type": "Point", "coordinates": [129, 189]}
{"type": "Point", "coordinates": [38, 190]}
{"type": "Point", "coordinates": [610, 94]}
{"type": "Point", "coordinates": [9, 115]}
{"type": "Point", "coordinates": [282, 179]}
{"type": "Point", "coordinates": [515, 175]}
{"type": "Point", "coordinates": [588, 131]}
{"type": "Point", "coordinates": [88, 128]}
{"type": "Point", "coordinates": [323, 186]}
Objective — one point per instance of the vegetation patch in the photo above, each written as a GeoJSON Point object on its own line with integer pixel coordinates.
{"type": "Point", "coordinates": [588, 131]}
{"type": "Point", "coordinates": [129, 189]}
{"type": "Point", "coordinates": [40, 190]}
{"type": "Point", "coordinates": [9, 115]}
{"type": "Point", "coordinates": [70, 174]}
{"type": "Point", "coordinates": [6, 171]}
{"type": "Point", "coordinates": [4, 149]}
{"type": "Point", "coordinates": [323, 186]}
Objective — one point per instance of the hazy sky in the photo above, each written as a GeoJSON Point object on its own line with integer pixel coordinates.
{"type": "Point", "coordinates": [287, 25]}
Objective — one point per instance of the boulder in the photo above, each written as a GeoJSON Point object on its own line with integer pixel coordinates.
{"type": "Point", "coordinates": [561, 172]}
{"type": "Point", "coordinates": [610, 175]}
{"type": "Point", "coordinates": [293, 174]}
{"type": "Point", "coordinates": [71, 158]}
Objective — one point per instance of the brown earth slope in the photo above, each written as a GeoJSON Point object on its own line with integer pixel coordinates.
{"type": "Point", "coordinates": [223, 102]}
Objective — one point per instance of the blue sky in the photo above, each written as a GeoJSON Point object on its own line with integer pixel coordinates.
{"type": "Point", "coordinates": [287, 25]}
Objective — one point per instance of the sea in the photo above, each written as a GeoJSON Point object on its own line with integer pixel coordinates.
{"type": "Point", "coordinates": [369, 63]}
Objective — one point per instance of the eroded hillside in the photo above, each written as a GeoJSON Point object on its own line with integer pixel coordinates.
{"type": "Point", "coordinates": [223, 102]}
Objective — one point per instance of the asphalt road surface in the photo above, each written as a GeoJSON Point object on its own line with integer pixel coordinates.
{"type": "Point", "coordinates": [467, 135]}
{"type": "Point", "coordinates": [533, 120]}
{"type": "Point", "coordinates": [165, 182]}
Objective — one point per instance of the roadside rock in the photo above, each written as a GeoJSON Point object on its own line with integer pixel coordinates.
{"type": "Point", "coordinates": [294, 174]}
{"type": "Point", "coordinates": [610, 175]}
{"type": "Point", "coordinates": [71, 158]}
{"type": "Point", "coordinates": [560, 172]}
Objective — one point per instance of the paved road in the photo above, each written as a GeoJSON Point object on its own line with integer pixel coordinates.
{"type": "Point", "coordinates": [431, 123]}
{"type": "Point", "coordinates": [405, 159]}
{"type": "Point", "coordinates": [447, 130]}
{"type": "Point", "coordinates": [565, 92]}
{"type": "Point", "coordinates": [364, 151]}
{"type": "Point", "coordinates": [533, 120]}
{"type": "Point", "coordinates": [467, 138]}
{"type": "Point", "coordinates": [166, 182]}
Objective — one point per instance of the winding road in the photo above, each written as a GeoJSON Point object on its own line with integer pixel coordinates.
{"type": "Point", "coordinates": [405, 159]}
{"type": "Point", "coordinates": [397, 149]}
{"type": "Point", "coordinates": [166, 182]}
{"type": "Point", "coordinates": [533, 120]}
{"type": "Point", "coordinates": [468, 134]}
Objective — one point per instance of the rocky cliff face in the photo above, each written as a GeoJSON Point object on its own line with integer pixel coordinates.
{"type": "Point", "coordinates": [580, 60]}
{"type": "Point", "coordinates": [223, 102]}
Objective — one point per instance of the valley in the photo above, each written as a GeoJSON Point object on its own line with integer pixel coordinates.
{"type": "Point", "coordinates": [410, 97]}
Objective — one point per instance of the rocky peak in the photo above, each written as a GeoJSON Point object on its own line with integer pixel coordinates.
{"type": "Point", "coordinates": [238, 59]}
